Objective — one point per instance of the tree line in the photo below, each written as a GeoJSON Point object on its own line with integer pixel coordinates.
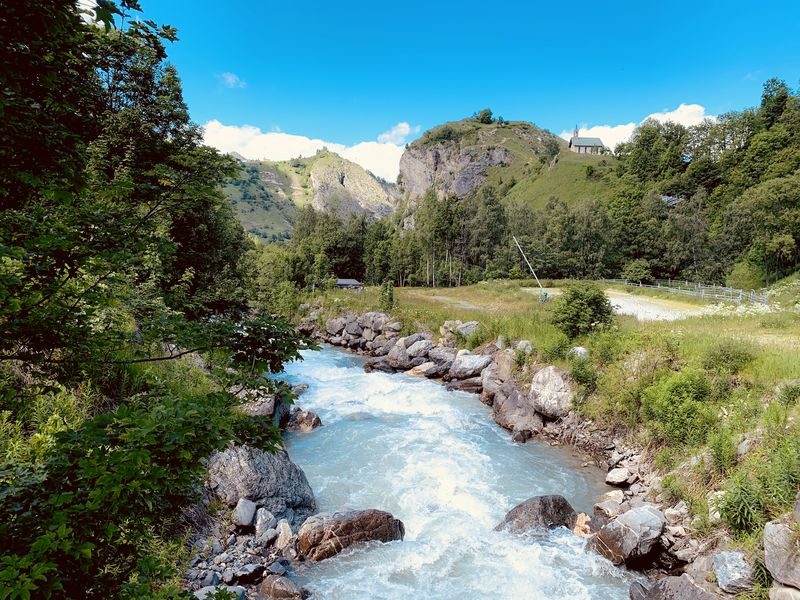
{"type": "Point", "coordinates": [719, 201]}
{"type": "Point", "coordinates": [119, 255]}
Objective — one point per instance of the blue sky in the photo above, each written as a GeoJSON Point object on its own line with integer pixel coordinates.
{"type": "Point", "coordinates": [346, 72]}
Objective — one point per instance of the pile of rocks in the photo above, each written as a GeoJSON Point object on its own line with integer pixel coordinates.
{"type": "Point", "coordinates": [251, 549]}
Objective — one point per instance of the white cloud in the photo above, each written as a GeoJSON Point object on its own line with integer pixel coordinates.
{"type": "Point", "coordinates": [231, 80]}
{"type": "Point", "coordinates": [398, 134]}
{"type": "Point", "coordinates": [685, 114]}
{"type": "Point", "coordinates": [381, 157]}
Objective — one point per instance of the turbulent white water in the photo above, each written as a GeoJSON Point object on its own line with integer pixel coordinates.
{"type": "Point", "coordinates": [436, 460]}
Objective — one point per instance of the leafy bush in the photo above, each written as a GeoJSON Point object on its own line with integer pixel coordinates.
{"type": "Point", "coordinates": [728, 356]}
{"type": "Point", "coordinates": [78, 524]}
{"type": "Point", "coordinates": [583, 373]}
{"type": "Point", "coordinates": [582, 308]}
{"type": "Point", "coordinates": [676, 409]}
{"type": "Point", "coordinates": [638, 270]}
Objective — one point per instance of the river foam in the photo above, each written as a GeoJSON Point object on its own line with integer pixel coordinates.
{"type": "Point", "coordinates": [435, 460]}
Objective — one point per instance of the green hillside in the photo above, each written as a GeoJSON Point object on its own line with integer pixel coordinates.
{"type": "Point", "coordinates": [570, 177]}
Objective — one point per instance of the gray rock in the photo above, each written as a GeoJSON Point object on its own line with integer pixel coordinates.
{"type": "Point", "coordinates": [398, 357]}
{"type": "Point", "coordinates": [267, 536]}
{"type": "Point", "coordinates": [551, 393]}
{"type": "Point", "coordinates": [265, 520]}
{"type": "Point", "coordinates": [578, 352]}
{"type": "Point", "coordinates": [244, 512]}
{"type": "Point", "coordinates": [419, 348]}
{"type": "Point", "coordinates": [734, 573]}
{"type": "Point", "coordinates": [605, 511]}
{"type": "Point", "coordinates": [276, 568]}
{"type": "Point", "coordinates": [271, 480]}
{"type": "Point", "coordinates": [249, 573]}
{"type": "Point", "coordinates": [227, 575]}
{"type": "Point", "coordinates": [468, 328]}
{"type": "Point", "coordinates": [525, 346]}
{"type": "Point", "coordinates": [783, 592]}
{"type": "Point", "coordinates": [441, 354]}
{"type": "Point", "coordinates": [284, 534]}
{"type": "Point", "coordinates": [210, 579]}
{"type": "Point", "coordinates": [781, 553]}
{"type": "Point", "coordinates": [335, 326]}
{"type": "Point", "coordinates": [326, 534]}
{"type": "Point", "coordinates": [468, 365]}
{"type": "Point", "coordinates": [513, 411]}
{"type": "Point", "coordinates": [618, 476]}
{"type": "Point", "coordinates": [630, 536]}
{"type": "Point", "coordinates": [303, 421]}
{"type": "Point", "coordinates": [394, 326]}
{"type": "Point", "coordinates": [670, 588]}
{"type": "Point", "coordinates": [276, 587]}
{"type": "Point", "coordinates": [539, 512]}
{"type": "Point", "coordinates": [473, 385]}
{"type": "Point", "coordinates": [354, 329]}
{"type": "Point", "coordinates": [490, 382]}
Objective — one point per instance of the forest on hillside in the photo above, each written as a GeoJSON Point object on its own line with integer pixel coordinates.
{"type": "Point", "coordinates": [716, 202]}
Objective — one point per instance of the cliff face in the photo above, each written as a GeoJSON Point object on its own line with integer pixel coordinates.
{"type": "Point", "coordinates": [459, 158]}
{"type": "Point", "coordinates": [344, 188]}
{"type": "Point", "coordinates": [267, 194]}
{"type": "Point", "coordinates": [447, 168]}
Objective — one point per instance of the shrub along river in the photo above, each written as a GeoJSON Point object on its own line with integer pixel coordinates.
{"type": "Point", "coordinates": [437, 461]}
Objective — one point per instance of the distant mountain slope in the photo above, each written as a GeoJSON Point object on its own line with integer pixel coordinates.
{"type": "Point", "coordinates": [267, 194]}
{"type": "Point", "coordinates": [520, 160]}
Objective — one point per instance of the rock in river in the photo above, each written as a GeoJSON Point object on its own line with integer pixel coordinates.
{"type": "Point", "coordinates": [326, 534]}
{"type": "Point", "coordinates": [539, 512]}
{"type": "Point", "coordinates": [630, 536]}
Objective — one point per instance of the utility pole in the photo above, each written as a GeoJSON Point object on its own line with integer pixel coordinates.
{"type": "Point", "coordinates": [521, 251]}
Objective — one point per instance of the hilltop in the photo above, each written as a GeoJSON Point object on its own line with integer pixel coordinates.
{"type": "Point", "coordinates": [521, 161]}
{"type": "Point", "coordinates": [267, 194]}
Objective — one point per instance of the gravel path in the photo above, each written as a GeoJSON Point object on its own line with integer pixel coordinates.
{"type": "Point", "coordinates": [651, 309]}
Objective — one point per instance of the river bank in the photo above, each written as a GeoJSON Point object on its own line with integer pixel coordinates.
{"type": "Point", "coordinates": [637, 525]}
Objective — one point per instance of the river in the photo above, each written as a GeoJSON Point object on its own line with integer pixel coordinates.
{"type": "Point", "coordinates": [436, 460]}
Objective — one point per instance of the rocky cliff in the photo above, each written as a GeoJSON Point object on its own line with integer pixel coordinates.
{"type": "Point", "coordinates": [267, 194]}
{"type": "Point", "coordinates": [344, 188]}
{"type": "Point", "coordinates": [459, 158]}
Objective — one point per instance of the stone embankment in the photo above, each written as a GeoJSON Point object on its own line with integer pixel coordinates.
{"type": "Point", "coordinates": [634, 525]}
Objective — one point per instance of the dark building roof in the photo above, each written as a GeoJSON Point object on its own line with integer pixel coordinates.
{"type": "Point", "coordinates": [348, 283]}
{"type": "Point", "coordinates": [586, 141]}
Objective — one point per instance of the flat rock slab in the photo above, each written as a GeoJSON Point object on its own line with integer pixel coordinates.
{"type": "Point", "coordinates": [326, 534]}
{"type": "Point", "coordinates": [781, 553]}
{"type": "Point", "coordinates": [734, 574]}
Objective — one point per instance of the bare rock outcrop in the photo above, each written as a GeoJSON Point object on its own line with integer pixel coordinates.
{"type": "Point", "coordinates": [270, 480]}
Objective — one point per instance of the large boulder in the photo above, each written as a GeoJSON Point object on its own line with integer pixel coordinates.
{"type": "Point", "coordinates": [335, 326]}
{"type": "Point", "coordinates": [244, 512]}
{"type": "Point", "coordinates": [326, 534]}
{"type": "Point", "coordinates": [277, 587]}
{"type": "Point", "coordinates": [419, 348]}
{"type": "Point", "coordinates": [782, 552]}
{"type": "Point", "coordinates": [398, 357]}
{"type": "Point", "coordinates": [270, 479]}
{"type": "Point", "coordinates": [551, 393]}
{"type": "Point", "coordinates": [630, 536]}
{"type": "Point", "coordinates": [468, 365]}
{"type": "Point", "coordinates": [490, 382]}
{"type": "Point", "coordinates": [512, 410]}
{"type": "Point", "coordinates": [539, 512]}
{"type": "Point", "coordinates": [670, 588]}
{"type": "Point", "coordinates": [733, 571]}
{"type": "Point", "coordinates": [442, 354]}
{"type": "Point", "coordinates": [303, 420]}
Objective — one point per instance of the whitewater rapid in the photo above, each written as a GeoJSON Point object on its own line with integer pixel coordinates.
{"type": "Point", "coordinates": [436, 460]}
